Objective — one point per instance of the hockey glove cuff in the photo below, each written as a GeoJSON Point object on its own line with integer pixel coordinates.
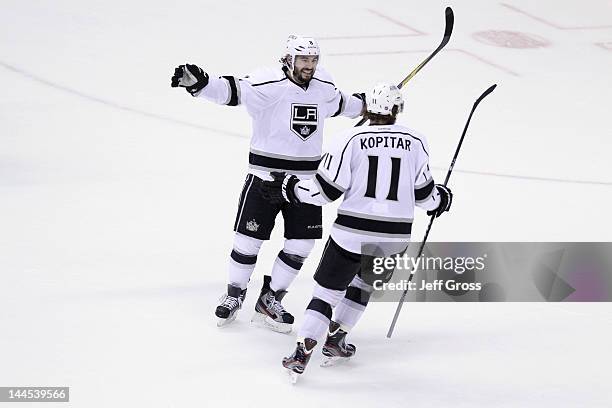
{"type": "Point", "coordinates": [289, 183]}
{"type": "Point", "coordinates": [446, 199]}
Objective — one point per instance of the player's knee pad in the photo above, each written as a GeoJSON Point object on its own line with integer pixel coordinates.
{"type": "Point", "coordinates": [299, 247]}
{"type": "Point", "coordinates": [330, 296]}
{"type": "Point", "coordinates": [246, 245]}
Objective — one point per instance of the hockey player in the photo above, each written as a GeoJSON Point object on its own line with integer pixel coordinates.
{"type": "Point", "coordinates": [383, 172]}
{"type": "Point", "coordinates": [288, 106]}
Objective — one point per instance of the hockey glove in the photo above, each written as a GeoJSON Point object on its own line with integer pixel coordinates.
{"type": "Point", "coordinates": [281, 189]}
{"type": "Point", "coordinates": [190, 77]}
{"type": "Point", "coordinates": [446, 199]}
{"type": "Point", "coordinates": [362, 96]}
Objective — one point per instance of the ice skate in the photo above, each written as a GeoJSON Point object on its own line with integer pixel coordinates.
{"type": "Point", "coordinates": [231, 302]}
{"type": "Point", "coordinates": [335, 349]}
{"type": "Point", "coordinates": [269, 312]}
{"type": "Point", "coordinates": [297, 362]}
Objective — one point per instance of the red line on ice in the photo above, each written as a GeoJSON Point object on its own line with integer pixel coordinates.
{"type": "Point", "coordinates": [358, 37]}
{"type": "Point", "coordinates": [459, 50]}
{"type": "Point", "coordinates": [550, 23]}
{"type": "Point", "coordinates": [396, 22]}
{"type": "Point", "coordinates": [484, 61]}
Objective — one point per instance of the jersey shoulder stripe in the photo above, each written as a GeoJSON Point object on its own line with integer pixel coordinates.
{"type": "Point", "coordinates": [323, 76]}
{"type": "Point", "coordinates": [325, 82]}
{"type": "Point", "coordinates": [264, 76]}
{"type": "Point", "coordinates": [269, 82]}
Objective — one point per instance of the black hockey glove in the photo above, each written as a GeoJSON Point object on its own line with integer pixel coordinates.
{"type": "Point", "coordinates": [362, 96]}
{"type": "Point", "coordinates": [281, 189]}
{"type": "Point", "coordinates": [190, 77]}
{"type": "Point", "coordinates": [446, 199]}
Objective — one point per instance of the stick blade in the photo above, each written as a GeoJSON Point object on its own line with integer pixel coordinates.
{"type": "Point", "coordinates": [485, 93]}
{"type": "Point", "coordinates": [450, 22]}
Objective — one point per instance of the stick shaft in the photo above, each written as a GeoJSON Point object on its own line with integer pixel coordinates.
{"type": "Point", "coordinates": [448, 174]}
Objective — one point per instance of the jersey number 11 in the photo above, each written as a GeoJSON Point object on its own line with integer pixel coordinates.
{"type": "Point", "coordinates": [373, 174]}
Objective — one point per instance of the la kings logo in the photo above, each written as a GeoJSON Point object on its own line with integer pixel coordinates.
{"type": "Point", "coordinates": [304, 120]}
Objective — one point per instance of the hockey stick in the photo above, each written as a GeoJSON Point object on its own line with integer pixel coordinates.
{"type": "Point", "coordinates": [448, 174]}
{"type": "Point", "coordinates": [448, 30]}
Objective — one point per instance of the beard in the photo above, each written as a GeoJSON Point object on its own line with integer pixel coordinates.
{"type": "Point", "coordinates": [302, 76]}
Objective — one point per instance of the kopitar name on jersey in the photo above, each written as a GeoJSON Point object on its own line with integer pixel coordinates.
{"type": "Point", "coordinates": [393, 142]}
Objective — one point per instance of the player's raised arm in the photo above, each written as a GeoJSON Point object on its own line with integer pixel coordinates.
{"type": "Point", "coordinates": [340, 103]}
{"type": "Point", "coordinates": [225, 90]}
{"type": "Point", "coordinates": [351, 106]}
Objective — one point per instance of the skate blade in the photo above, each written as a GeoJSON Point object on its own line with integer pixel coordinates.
{"type": "Point", "coordinates": [293, 376]}
{"type": "Point", "coordinates": [332, 361]}
{"type": "Point", "coordinates": [262, 320]}
{"type": "Point", "coordinates": [225, 322]}
{"type": "Point", "coordinates": [258, 318]}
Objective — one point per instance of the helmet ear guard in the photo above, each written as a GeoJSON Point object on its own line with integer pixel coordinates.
{"type": "Point", "coordinates": [287, 61]}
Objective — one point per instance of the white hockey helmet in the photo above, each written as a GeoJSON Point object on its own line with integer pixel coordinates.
{"type": "Point", "coordinates": [382, 98]}
{"type": "Point", "coordinates": [299, 45]}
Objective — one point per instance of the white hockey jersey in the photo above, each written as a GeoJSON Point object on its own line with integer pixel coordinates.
{"type": "Point", "coordinates": [383, 172]}
{"type": "Point", "coordinates": [287, 118]}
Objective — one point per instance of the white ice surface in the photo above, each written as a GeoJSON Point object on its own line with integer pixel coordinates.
{"type": "Point", "coordinates": [118, 194]}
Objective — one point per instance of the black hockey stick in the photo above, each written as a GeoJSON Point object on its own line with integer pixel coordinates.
{"type": "Point", "coordinates": [448, 174]}
{"type": "Point", "coordinates": [448, 30]}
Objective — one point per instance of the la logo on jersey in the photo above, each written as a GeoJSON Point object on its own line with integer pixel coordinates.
{"type": "Point", "coordinates": [304, 120]}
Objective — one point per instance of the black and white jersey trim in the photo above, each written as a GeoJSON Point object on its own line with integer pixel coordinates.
{"type": "Point", "coordinates": [234, 94]}
{"type": "Point", "coordinates": [267, 163]}
{"type": "Point", "coordinates": [424, 191]}
{"type": "Point", "coordinates": [374, 217]}
{"type": "Point", "coordinates": [386, 228]}
{"type": "Point", "coordinates": [270, 82]}
{"type": "Point", "coordinates": [325, 82]}
{"type": "Point", "coordinates": [285, 157]}
{"type": "Point", "coordinates": [331, 191]}
{"type": "Point", "coordinates": [341, 106]}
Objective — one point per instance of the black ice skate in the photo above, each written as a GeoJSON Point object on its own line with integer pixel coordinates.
{"type": "Point", "coordinates": [297, 362]}
{"type": "Point", "coordinates": [269, 312]}
{"type": "Point", "coordinates": [335, 348]}
{"type": "Point", "coordinates": [231, 302]}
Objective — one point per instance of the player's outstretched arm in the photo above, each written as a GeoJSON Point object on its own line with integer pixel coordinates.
{"type": "Point", "coordinates": [288, 188]}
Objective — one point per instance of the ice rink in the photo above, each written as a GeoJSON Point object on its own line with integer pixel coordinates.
{"type": "Point", "coordinates": [118, 196]}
